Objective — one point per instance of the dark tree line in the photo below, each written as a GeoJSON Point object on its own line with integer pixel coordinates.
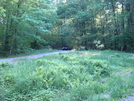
{"type": "Point", "coordinates": [109, 21]}
{"type": "Point", "coordinates": [34, 24]}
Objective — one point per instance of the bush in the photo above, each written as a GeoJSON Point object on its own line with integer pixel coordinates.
{"type": "Point", "coordinates": [4, 64]}
{"type": "Point", "coordinates": [96, 67]}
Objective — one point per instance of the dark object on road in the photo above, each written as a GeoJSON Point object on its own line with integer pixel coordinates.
{"type": "Point", "coordinates": [66, 48]}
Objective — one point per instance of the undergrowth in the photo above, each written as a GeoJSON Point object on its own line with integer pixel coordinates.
{"type": "Point", "coordinates": [78, 76]}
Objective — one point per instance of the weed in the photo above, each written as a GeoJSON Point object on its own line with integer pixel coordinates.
{"type": "Point", "coordinates": [4, 64]}
{"type": "Point", "coordinates": [80, 76]}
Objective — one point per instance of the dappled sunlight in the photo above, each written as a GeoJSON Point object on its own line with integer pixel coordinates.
{"type": "Point", "coordinates": [87, 53]}
{"type": "Point", "coordinates": [132, 57]}
{"type": "Point", "coordinates": [126, 72]}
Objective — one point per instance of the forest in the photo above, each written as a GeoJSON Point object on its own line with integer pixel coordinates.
{"type": "Point", "coordinates": [92, 24]}
{"type": "Point", "coordinates": [100, 66]}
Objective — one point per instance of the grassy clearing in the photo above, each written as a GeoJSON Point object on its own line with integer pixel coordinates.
{"type": "Point", "coordinates": [30, 52]}
{"type": "Point", "coordinates": [79, 76]}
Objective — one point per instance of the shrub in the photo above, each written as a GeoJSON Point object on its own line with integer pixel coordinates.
{"type": "Point", "coordinates": [4, 64]}
{"type": "Point", "coordinates": [81, 91]}
{"type": "Point", "coordinates": [97, 67]}
{"type": "Point", "coordinates": [9, 79]}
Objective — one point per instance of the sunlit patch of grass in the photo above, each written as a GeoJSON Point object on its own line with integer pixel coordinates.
{"type": "Point", "coordinates": [91, 53]}
{"type": "Point", "coordinates": [77, 76]}
{"type": "Point", "coordinates": [125, 72]}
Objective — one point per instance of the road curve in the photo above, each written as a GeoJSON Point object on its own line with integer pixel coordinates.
{"type": "Point", "coordinates": [10, 60]}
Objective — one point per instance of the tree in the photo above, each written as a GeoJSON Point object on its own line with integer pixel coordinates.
{"type": "Point", "coordinates": [75, 18]}
{"type": "Point", "coordinates": [25, 22]}
{"type": "Point", "coordinates": [110, 21]}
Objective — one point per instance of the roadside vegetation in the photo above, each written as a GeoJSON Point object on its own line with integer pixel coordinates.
{"type": "Point", "coordinates": [78, 76]}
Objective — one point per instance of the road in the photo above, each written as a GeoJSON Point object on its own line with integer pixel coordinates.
{"type": "Point", "coordinates": [11, 60]}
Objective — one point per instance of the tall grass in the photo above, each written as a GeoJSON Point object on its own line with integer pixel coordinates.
{"type": "Point", "coordinates": [79, 76]}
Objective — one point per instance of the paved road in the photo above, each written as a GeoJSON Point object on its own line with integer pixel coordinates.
{"type": "Point", "coordinates": [11, 60]}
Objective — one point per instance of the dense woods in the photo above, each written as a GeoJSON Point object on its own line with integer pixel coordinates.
{"type": "Point", "coordinates": [93, 24]}
{"type": "Point", "coordinates": [38, 26]}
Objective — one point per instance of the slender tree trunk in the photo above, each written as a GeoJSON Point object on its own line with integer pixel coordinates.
{"type": "Point", "coordinates": [115, 24]}
{"type": "Point", "coordinates": [6, 44]}
{"type": "Point", "coordinates": [13, 46]}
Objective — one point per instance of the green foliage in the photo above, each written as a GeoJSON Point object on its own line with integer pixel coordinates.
{"type": "Point", "coordinates": [72, 76]}
{"type": "Point", "coordinates": [119, 88]}
{"type": "Point", "coordinates": [2, 12]}
{"type": "Point", "coordinates": [24, 22]}
{"type": "Point", "coordinates": [81, 92]}
{"type": "Point", "coordinates": [4, 64]}
{"type": "Point", "coordinates": [38, 23]}
{"type": "Point", "coordinates": [44, 95]}
{"type": "Point", "coordinates": [111, 21]}
{"type": "Point", "coordinates": [75, 18]}
{"type": "Point", "coordinates": [98, 44]}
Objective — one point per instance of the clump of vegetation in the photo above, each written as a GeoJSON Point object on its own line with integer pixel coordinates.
{"type": "Point", "coordinates": [80, 76]}
{"type": "Point", "coordinates": [98, 44]}
{"type": "Point", "coordinates": [4, 64]}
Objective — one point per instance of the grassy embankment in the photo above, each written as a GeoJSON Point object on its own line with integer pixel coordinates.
{"type": "Point", "coordinates": [79, 76]}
